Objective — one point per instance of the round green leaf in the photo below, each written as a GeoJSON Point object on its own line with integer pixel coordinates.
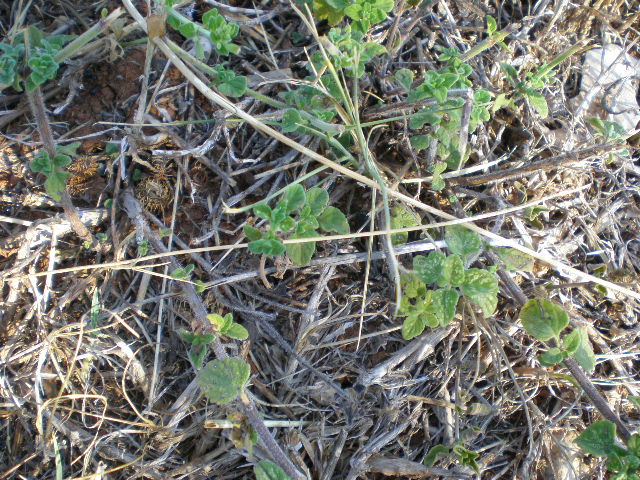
{"type": "Point", "coordinates": [481, 288]}
{"type": "Point", "coordinates": [462, 241]}
{"type": "Point", "coordinates": [429, 268]}
{"type": "Point", "coordinates": [317, 200]}
{"type": "Point", "coordinates": [302, 253]}
{"type": "Point", "coordinates": [333, 220]}
{"type": "Point", "coordinates": [543, 319]}
{"type": "Point", "coordinates": [252, 233]}
{"type": "Point", "coordinates": [223, 380]}
{"type": "Point", "coordinates": [412, 326]}
{"type": "Point", "coordinates": [235, 330]}
{"type": "Point", "coordinates": [404, 77]}
{"type": "Point", "coordinates": [598, 439]}
{"type": "Point", "coordinates": [452, 272]}
{"type": "Point", "coordinates": [294, 197]}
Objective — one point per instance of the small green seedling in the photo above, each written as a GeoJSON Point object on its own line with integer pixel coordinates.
{"type": "Point", "coordinates": [444, 117]}
{"type": "Point", "coordinates": [611, 133]}
{"type": "Point", "coordinates": [363, 13]}
{"type": "Point", "coordinates": [214, 26]}
{"type": "Point", "coordinates": [226, 326]}
{"type": "Point", "coordinates": [298, 214]}
{"type": "Point", "coordinates": [222, 381]}
{"type": "Point", "coordinates": [199, 342]}
{"type": "Point", "coordinates": [228, 83]}
{"type": "Point", "coordinates": [402, 217]}
{"type": "Point", "coordinates": [545, 321]}
{"type": "Point", "coordinates": [54, 169]}
{"type": "Point", "coordinates": [530, 88]}
{"type": "Point", "coordinates": [424, 307]}
{"type": "Point", "coordinates": [182, 273]}
{"type": "Point", "coordinates": [599, 439]}
{"type": "Point", "coordinates": [465, 456]}
{"type": "Point", "coordinates": [492, 31]}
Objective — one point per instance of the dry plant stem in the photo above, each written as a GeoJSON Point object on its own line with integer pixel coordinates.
{"type": "Point", "coordinates": [546, 164]}
{"type": "Point", "coordinates": [134, 211]}
{"type": "Point", "coordinates": [258, 125]}
{"type": "Point", "coordinates": [599, 402]}
{"type": "Point", "coordinates": [37, 107]}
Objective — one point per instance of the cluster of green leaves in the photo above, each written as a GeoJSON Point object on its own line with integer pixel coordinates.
{"type": "Point", "coordinates": [528, 88]}
{"type": "Point", "coordinates": [298, 214]}
{"type": "Point", "coordinates": [599, 439]}
{"type": "Point", "coordinates": [54, 168]}
{"type": "Point", "coordinates": [465, 456]}
{"type": "Point", "coordinates": [611, 132]}
{"type": "Point", "coordinates": [199, 341]}
{"type": "Point", "coordinates": [445, 116]}
{"type": "Point", "coordinates": [545, 321]}
{"type": "Point", "coordinates": [214, 25]}
{"type": "Point", "coordinates": [228, 83]}
{"type": "Point", "coordinates": [363, 13]}
{"type": "Point", "coordinates": [306, 99]}
{"type": "Point", "coordinates": [348, 51]}
{"type": "Point", "coordinates": [183, 273]}
{"type": "Point", "coordinates": [422, 306]}
{"type": "Point", "coordinates": [41, 59]}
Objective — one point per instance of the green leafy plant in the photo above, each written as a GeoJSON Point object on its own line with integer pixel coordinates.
{"type": "Point", "coordinates": [214, 26]}
{"type": "Point", "coordinates": [298, 214]}
{"type": "Point", "coordinates": [228, 83]}
{"type": "Point", "coordinates": [530, 87]}
{"type": "Point", "coordinates": [222, 381]}
{"type": "Point", "coordinates": [199, 342]}
{"type": "Point", "coordinates": [42, 59]}
{"type": "Point", "coordinates": [424, 307]}
{"type": "Point", "coordinates": [363, 13]}
{"type": "Point", "coordinates": [54, 168]}
{"type": "Point", "coordinates": [599, 439]}
{"type": "Point", "coordinates": [444, 115]}
{"type": "Point", "coordinates": [226, 326]}
{"type": "Point", "coordinates": [545, 321]}
{"type": "Point", "coordinates": [464, 455]}
{"type": "Point", "coordinates": [183, 273]}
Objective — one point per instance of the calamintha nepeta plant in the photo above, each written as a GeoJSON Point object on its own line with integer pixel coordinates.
{"type": "Point", "coordinates": [298, 214]}
{"type": "Point", "coordinates": [423, 306]}
{"type": "Point", "coordinates": [54, 168]}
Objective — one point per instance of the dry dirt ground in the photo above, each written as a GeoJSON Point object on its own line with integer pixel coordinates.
{"type": "Point", "coordinates": [95, 381]}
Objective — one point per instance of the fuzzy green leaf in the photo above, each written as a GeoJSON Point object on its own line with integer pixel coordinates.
{"type": "Point", "coordinates": [263, 211]}
{"type": "Point", "coordinates": [435, 453]}
{"type": "Point", "coordinates": [291, 120]}
{"type": "Point", "coordinates": [404, 77]}
{"type": "Point", "coordinates": [584, 353]}
{"type": "Point", "coordinates": [401, 217]}
{"type": "Point", "coordinates": [270, 247]}
{"type": "Point", "coordinates": [302, 253]}
{"type": "Point", "coordinates": [56, 182]}
{"type": "Point", "coordinates": [538, 102]}
{"type": "Point", "coordinates": [571, 341]}
{"type": "Point", "coordinates": [514, 260]}
{"type": "Point", "coordinates": [429, 268]}
{"type": "Point", "coordinates": [444, 303]}
{"type": "Point", "coordinates": [252, 233]}
{"type": "Point", "coordinates": [267, 470]}
{"type": "Point", "coordinates": [333, 220]}
{"type": "Point", "coordinates": [412, 326]}
{"type": "Point", "coordinates": [551, 357]}
{"type": "Point", "coordinates": [462, 241]}
{"type": "Point", "coordinates": [420, 142]}
{"type": "Point", "coordinates": [481, 288]}
{"type": "Point", "coordinates": [223, 380]}
{"type": "Point", "coordinates": [317, 199]}
{"type": "Point", "coordinates": [294, 197]}
{"type": "Point", "coordinates": [598, 439]}
{"type": "Point", "coordinates": [437, 182]}
{"type": "Point", "coordinates": [543, 319]}
{"type": "Point", "coordinates": [452, 272]}
{"type": "Point", "coordinates": [235, 330]}
{"type": "Point", "coordinates": [234, 87]}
